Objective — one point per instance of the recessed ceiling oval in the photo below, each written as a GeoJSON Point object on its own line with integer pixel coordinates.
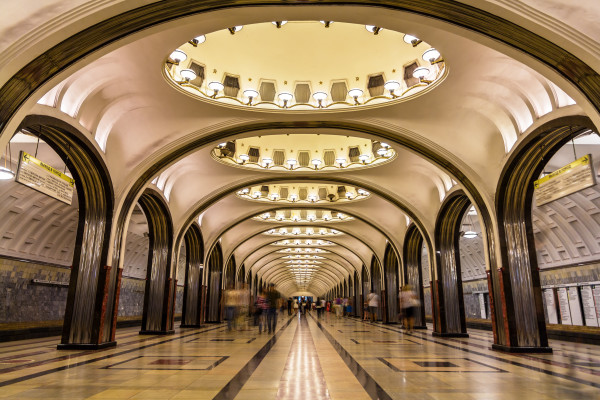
{"type": "Point", "coordinates": [303, 193]}
{"type": "Point", "coordinates": [303, 153]}
{"type": "Point", "coordinates": [281, 67]}
{"type": "Point", "coordinates": [303, 216]}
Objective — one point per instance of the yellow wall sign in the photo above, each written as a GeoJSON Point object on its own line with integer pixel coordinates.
{"type": "Point", "coordinates": [569, 179]}
{"type": "Point", "coordinates": [45, 179]}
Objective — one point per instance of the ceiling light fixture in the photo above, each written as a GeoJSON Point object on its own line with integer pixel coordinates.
{"type": "Point", "coordinates": [293, 197]}
{"type": "Point", "coordinates": [319, 97]}
{"type": "Point", "coordinates": [267, 161]}
{"type": "Point", "coordinates": [392, 86]}
{"type": "Point", "coordinates": [433, 56]}
{"type": "Point", "coordinates": [373, 29]}
{"type": "Point", "coordinates": [470, 235]}
{"type": "Point", "coordinates": [279, 24]}
{"type": "Point", "coordinates": [364, 158]}
{"type": "Point", "coordinates": [413, 40]}
{"type": "Point", "coordinates": [326, 23]}
{"type": "Point", "coordinates": [420, 73]}
{"type": "Point", "coordinates": [316, 162]}
{"type": "Point", "coordinates": [188, 75]}
{"type": "Point", "coordinates": [177, 56]}
{"type": "Point", "coordinates": [274, 196]}
{"type": "Point", "coordinates": [355, 94]}
{"type": "Point", "coordinates": [291, 162]}
{"type": "Point", "coordinates": [198, 40]}
{"type": "Point", "coordinates": [216, 87]}
{"type": "Point", "coordinates": [250, 94]}
{"type": "Point", "coordinates": [235, 29]}
{"type": "Point", "coordinates": [244, 158]}
{"type": "Point", "coordinates": [285, 97]}
{"type": "Point", "coordinates": [341, 161]}
{"type": "Point", "coordinates": [312, 198]}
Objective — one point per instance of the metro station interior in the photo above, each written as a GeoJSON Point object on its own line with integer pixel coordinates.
{"type": "Point", "coordinates": [156, 154]}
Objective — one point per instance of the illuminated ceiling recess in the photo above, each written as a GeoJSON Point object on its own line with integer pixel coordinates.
{"type": "Point", "coordinates": [302, 193]}
{"type": "Point", "coordinates": [303, 152]}
{"type": "Point", "coordinates": [303, 216]}
{"type": "Point", "coordinates": [275, 67]}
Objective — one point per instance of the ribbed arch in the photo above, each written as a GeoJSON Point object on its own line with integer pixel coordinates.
{"type": "Point", "coordinates": [413, 247]}
{"type": "Point", "coordinates": [214, 267]}
{"type": "Point", "coordinates": [159, 294]}
{"type": "Point", "coordinates": [191, 314]}
{"type": "Point", "coordinates": [391, 271]}
{"type": "Point", "coordinates": [89, 289]}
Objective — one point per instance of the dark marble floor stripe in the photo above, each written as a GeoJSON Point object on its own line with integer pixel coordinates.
{"type": "Point", "coordinates": [70, 366]}
{"type": "Point", "coordinates": [236, 383]}
{"type": "Point", "coordinates": [368, 383]}
{"type": "Point", "coordinates": [518, 364]}
{"type": "Point", "coordinates": [302, 376]}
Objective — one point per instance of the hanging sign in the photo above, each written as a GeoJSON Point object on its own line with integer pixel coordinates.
{"type": "Point", "coordinates": [45, 179]}
{"type": "Point", "coordinates": [550, 306]}
{"type": "Point", "coordinates": [571, 178]}
{"type": "Point", "coordinates": [596, 293]}
{"type": "Point", "coordinates": [563, 305]}
{"type": "Point", "coordinates": [589, 308]}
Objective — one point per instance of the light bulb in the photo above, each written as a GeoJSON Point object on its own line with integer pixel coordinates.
{"type": "Point", "coordinates": [178, 56]}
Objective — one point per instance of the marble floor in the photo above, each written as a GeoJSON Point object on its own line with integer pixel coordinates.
{"type": "Point", "coordinates": [305, 359]}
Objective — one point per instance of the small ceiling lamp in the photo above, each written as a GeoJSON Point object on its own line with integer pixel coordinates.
{"type": "Point", "coordinates": [384, 144]}
{"type": "Point", "coordinates": [326, 23]}
{"type": "Point", "coordinates": [362, 192]}
{"type": "Point", "coordinates": [340, 215]}
{"type": "Point", "coordinates": [177, 56]}
{"type": "Point", "coordinates": [470, 235]}
{"type": "Point", "coordinates": [198, 40]}
{"type": "Point", "coordinates": [316, 162]}
{"type": "Point", "coordinates": [274, 196]}
{"type": "Point", "coordinates": [323, 231]}
{"type": "Point", "coordinates": [349, 195]}
{"type": "Point", "coordinates": [355, 94]}
{"type": "Point", "coordinates": [267, 161]}
{"type": "Point", "coordinates": [312, 198]}
{"type": "Point", "coordinates": [250, 94]}
{"type": "Point", "coordinates": [392, 86]}
{"type": "Point", "coordinates": [286, 98]}
{"type": "Point", "coordinates": [244, 158]}
{"type": "Point", "coordinates": [216, 87]}
{"type": "Point", "coordinates": [293, 197]}
{"type": "Point", "coordinates": [235, 29]}
{"type": "Point", "coordinates": [245, 191]}
{"type": "Point", "coordinates": [266, 216]}
{"type": "Point", "coordinates": [309, 231]}
{"type": "Point", "coordinates": [420, 73]}
{"type": "Point", "coordinates": [319, 97]}
{"type": "Point", "coordinates": [382, 152]}
{"type": "Point", "coordinates": [311, 217]}
{"type": "Point", "coordinates": [296, 231]}
{"type": "Point", "coordinates": [188, 75]}
{"type": "Point", "coordinates": [364, 158]}
{"type": "Point", "coordinates": [433, 56]}
{"type": "Point", "coordinates": [256, 194]}
{"type": "Point", "coordinates": [279, 217]}
{"type": "Point", "coordinates": [279, 24]}
{"type": "Point", "coordinates": [413, 40]}
{"type": "Point", "coordinates": [373, 29]}
{"type": "Point", "coordinates": [291, 162]}
{"type": "Point", "coordinates": [341, 161]}
{"type": "Point", "coordinates": [222, 145]}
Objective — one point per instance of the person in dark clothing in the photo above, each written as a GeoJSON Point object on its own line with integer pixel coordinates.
{"type": "Point", "coordinates": [272, 298]}
{"type": "Point", "coordinates": [289, 304]}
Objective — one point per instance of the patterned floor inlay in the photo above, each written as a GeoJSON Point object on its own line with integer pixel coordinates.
{"type": "Point", "coordinates": [193, 363]}
{"type": "Point", "coordinates": [436, 364]}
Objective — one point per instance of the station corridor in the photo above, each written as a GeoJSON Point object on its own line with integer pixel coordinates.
{"type": "Point", "coordinates": [307, 358]}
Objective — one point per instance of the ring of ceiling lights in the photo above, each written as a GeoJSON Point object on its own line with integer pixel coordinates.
{"type": "Point", "coordinates": [303, 152]}
{"type": "Point", "coordinates": [303, 250]}
{"type": "Point", "coordinates": [303, 242]}
{"type": "Point", "coordinates": [303, 231]}
{"type": "Point", "coordinates": [303, 216]}
{"type": "Point", "coordinates": [275, 66]}
{"type": "Point", "coordinates": [303, 193]}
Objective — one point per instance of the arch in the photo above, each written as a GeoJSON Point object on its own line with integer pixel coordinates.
{"type": "Point", "coordinates": [377, 286]}
{"type": "Point", "coordinates": [229, 273]}
{"type": "Point", "coordinates": [391, 279]}
{"type": "Point", "coordinates": [241, 275]}
{"type": "Point", "coordinates": [213, 284]}
{"type": "Point", "coordinates": [413, 275]}
{"type": "Point", "coordinates": [357, 304]}
{"type": "Point", "coordinates": [448, 292]}
{"type": "Point", "coordinates": [159, 294]}
{"type": "Point", "coordinates": [191, 315]}
{"type": "Point", "coordinates": [519, 278]}
{"type": "Point", "coordinates": [90, 309]}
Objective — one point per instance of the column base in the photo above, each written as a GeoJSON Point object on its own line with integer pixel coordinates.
{"type": "Point", "coordinates": [85, 346]}
{"type": "Point", "coordinates": [517, 349]}
{"type": "Point", "coordinates": [448, 334]}
{"type": "Point", "coordinates": [190, 326]}
{"type": "Point", "coordinates": [157, 332]}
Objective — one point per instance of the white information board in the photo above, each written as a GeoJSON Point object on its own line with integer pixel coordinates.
{"type": "Point", "coordinates": [575, 306]}
{"type": "Point", "coordinates": [551, 306]}
{"type": "Point", "coordinates": [589, 308]}
{"type": "Point", "coordinates": [569, 179]}
{"type": "Point", "coordinates": [482, 307]}
{"type": "Point", "coordinates": [596, 293]}
{"type": "Point", "coordinates": [44, 178]}
{"type": "Point", "coordinates": [563, 305]}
